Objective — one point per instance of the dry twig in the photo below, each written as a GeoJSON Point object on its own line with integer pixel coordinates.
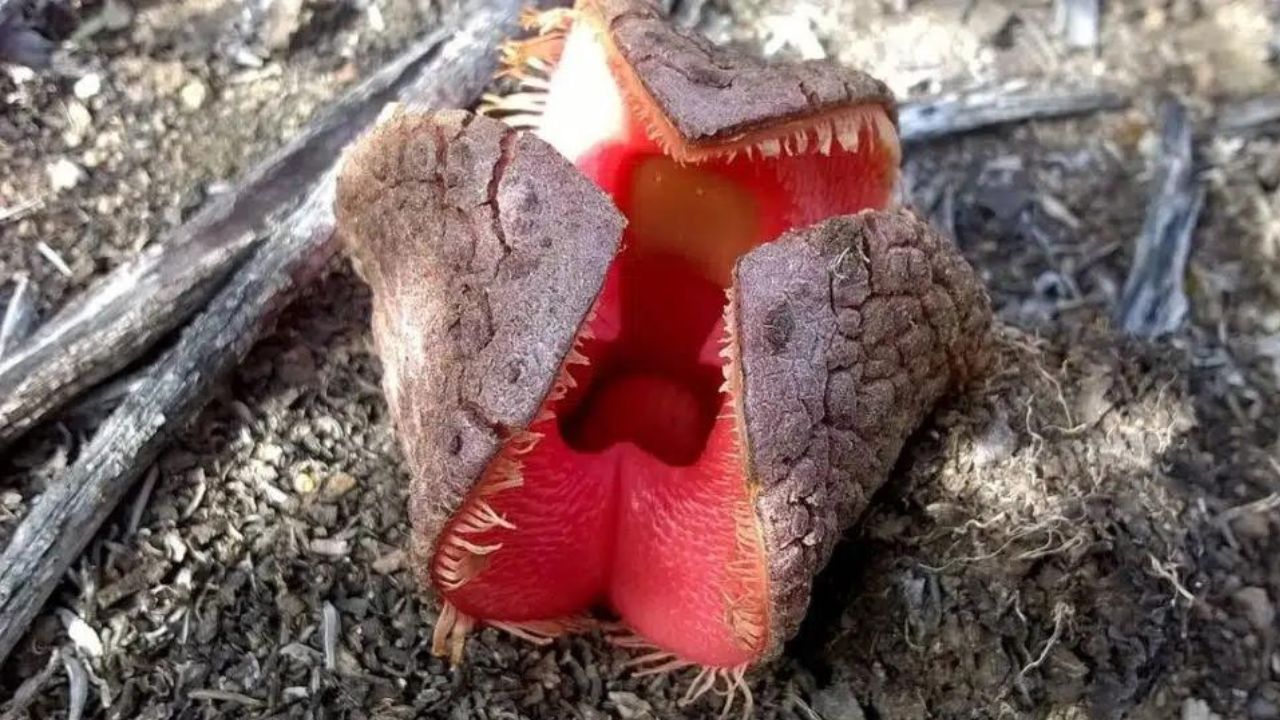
{"type": "Point", "coordinates": [1154, 301]}
{"type": "Point", "coordinates": [923, 120]}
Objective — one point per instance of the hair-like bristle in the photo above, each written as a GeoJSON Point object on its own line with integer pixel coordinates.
{"type": "Point", "coordinates": [527, 63]}
{"type": "Point", "coordinates": [458, 560]}
{"type": "Point", "coordinates": [708, 679]}
{"type": "Point", "coordinates": [747, 616]}
{"type": "Point", "coordinates": [544, 632]}
{"type": "Point", "coordinates": [656, 661]}
{"type": "Point", "coordinates": [769, 142]}
{"type": "Point", "coordinates": [545, 21]}
{"type": "Point", "coordinates": [450, 634]}
{"type": "Point", "coordinates": [565, 381]}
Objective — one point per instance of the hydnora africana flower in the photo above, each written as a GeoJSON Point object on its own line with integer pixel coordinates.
{"type": "Point", "coordinates": [654, 354]}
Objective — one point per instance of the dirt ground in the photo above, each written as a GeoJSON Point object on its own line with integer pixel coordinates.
{"type": "Point", "coordinates": [1094, 532]}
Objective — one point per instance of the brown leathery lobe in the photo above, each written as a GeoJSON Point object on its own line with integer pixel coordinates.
{"type": "Point", "coordinates": [711, 94]}
{"type": "Point", "coordinates": [485, 250]}
{"type": "Point", "coordinates": [848, 333]}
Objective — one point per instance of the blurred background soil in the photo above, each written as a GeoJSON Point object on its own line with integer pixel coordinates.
{"type": "Point", "coordinates": [1092, 534]}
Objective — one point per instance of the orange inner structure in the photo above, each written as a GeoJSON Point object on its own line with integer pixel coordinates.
{"type": "Point", "coordinates": [630, 491]}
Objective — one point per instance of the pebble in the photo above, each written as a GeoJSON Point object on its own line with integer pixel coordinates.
{"type": "Point", "coordinates": [837, 702]}
{"type": "Point", "coordinates": [269, 453]}
{"type": "Point", "coordinates": [304, 483]}
{"type": "Point", "coordinates": [1252, 525]}
{"type": "Point", "coordinates": [1261, 708]}
{"type": "Point", "coordinates": [337, 485]}
{"type": "Point", "coordinates": [996, 443]}
{"type": "Point", "coordinates": [630, 706]}
{"type": "Point", "coordinates": [80, 632]}
{"type": "Point", "coordinates": [64, 174]}
{"type": "Point", "coordinates": [389, 563]}
{"type": "Point", "coordinates": [87, 86]}
{"type": "Point", "coordinates": [1257, 608]}
{"type": "Point", "coordinates": [194, 94]}
{"type": "Point", "coordinates": [1197, 709]}
{"type": "Point", "coordinates": [79, 122]}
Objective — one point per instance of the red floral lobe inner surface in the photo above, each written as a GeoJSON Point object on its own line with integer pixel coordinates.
{"type": "Point", "coordinates": [631, 490]}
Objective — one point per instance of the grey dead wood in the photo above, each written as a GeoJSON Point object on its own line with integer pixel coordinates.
{"type": "Point", "coordinates": [64, 519]}
{"type": "Point", "coordinates": [127, 311]}
{"type": "Point", "coordinates": [924, 120]}
{"type": "Point", "coordinates": [1250, 117]}
{"type": "Point", "coordinates": [17, 313]}
{"type": "Point", "coordinates": [1154, 300]}
{"type": "Point", "coordinates": [21, 43]}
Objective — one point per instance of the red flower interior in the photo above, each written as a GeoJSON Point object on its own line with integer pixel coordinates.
{"type": "Point", "coordinates": [630, 491]}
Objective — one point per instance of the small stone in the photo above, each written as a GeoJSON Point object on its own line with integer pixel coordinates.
{"type": "Point", "coordinates": [290, 605]}
{"type": "Point", "coordinates": [837, 702]}
{"type": "Point", "coordinates": [194, 94]}
{"type": "Point", "coordinates": [175, 547]}
{"type": "Point", "coordinates": [1257, 608]}
{"type": "Point", "coordinates": [116, 15]}
{"type": "Point", "coordinates": [304, 483]}
{"type": "Point", "coordinates": [331, 547]}
{"type": "Point", "coordinates": [631, 706]}
{"type": "Point", "coordinates": [996, 443]}
{"type": "Point", "coordinates": [87, 86]}
{"type": "Point", "coordinates": [168, 77]}
{"type": "Point", "coordinates": [64, 174]}
{"type": "Point", "coordinates": [1260, 708]}
{"type": "Point", "coordinates": [81, 633]}
{"type": "Point", "coordinates": [1197, 709]}
{"type": "Point", "coordinates": [257, 471]}
{"type": "Point", "coordinates": [1252, 525]}
{"type": "Point", "coordinates": [337, 485]}
{"type": "Point", "coordinates": [389, 563]}
{"type": "Point", "coordinates": [283, 19]}
{"type": "Point", "coordinates": [79, 120]}
{"type": "Point", "coordinates": [269, 453]}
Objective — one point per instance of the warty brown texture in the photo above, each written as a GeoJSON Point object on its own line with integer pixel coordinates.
{"type": "Point", "coordinates": [485, 250]}
{"type": "Point", "coordinates": [849, 332]}
{"type": "Point", "coordinates": [712, 94]}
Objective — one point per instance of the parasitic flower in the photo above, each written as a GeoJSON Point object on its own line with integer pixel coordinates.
{"type": "Point", "coordinates": [654, 355]}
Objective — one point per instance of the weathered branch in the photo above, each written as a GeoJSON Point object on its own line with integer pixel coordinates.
{"type": "Point", "coordinates": [17, 313]}
{"type": "Point", "coordinates": [923, 120]}
{"type": "Point", "coordinates": [63, 520]}
{"type": "Point", "coordinates": [125, 313]}
{"type": "Point", "coordinates": [1154, 301]}
{"type": "Point", "coordinates": [20, 43]}
{"type": "Point", "coordinates": [1250, 117]}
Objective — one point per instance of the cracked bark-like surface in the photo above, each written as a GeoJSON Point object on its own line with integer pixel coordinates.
{"type": "Point", "coordinates": [849, 333]}
{"type": "Point", "coordinates": [485, 250]}
{"type": "Point", "coordinates": [711, 94]}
